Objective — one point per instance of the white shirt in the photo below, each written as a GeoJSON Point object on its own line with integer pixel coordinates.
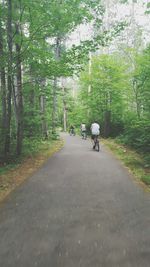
{"type": "Point", "coordinates": [83, 127]}
{"type": "Point", "coordinates": [95, 128]}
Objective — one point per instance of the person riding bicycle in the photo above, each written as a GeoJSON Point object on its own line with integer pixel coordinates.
{"type": "Point", "coordinates": [83, 130]}
{"type": "Point", "coordinates": [72, 130]}
{"type": "Point", "coordinates": [95, 131]}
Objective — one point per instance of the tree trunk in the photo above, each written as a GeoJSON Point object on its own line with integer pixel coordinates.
{"type": "Point", "coordinates": [65, 116]}
{"type": "Point", "coordinates": [64, 108]}
{"type": "Point", "coordinates": [44, 124]}
{"type": "Point", "coordinates": [89, 71]}
{"type": "Point", "coordinates": [43, 111]}
{"type": "Point", "coordinates": [9, 75]}
{"type": "Point", "coordinates": [107, 123]}
{"type": "Point", "coordinates": [3, 94]}
{"type": "Point", "coordinates": [14, 95]}
{"type": "Point", "coordinates": [19, 96]}
{"type": "Point", "coordinates": [137, 100]}
{"type": "Point", "coordinates": [54, 111]}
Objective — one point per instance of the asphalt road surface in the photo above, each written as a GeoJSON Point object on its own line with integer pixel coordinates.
{"type": "Point", "coordinates": [81, 209]}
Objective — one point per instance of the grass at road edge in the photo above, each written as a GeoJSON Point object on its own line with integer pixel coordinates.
{"type": "Point", "coordinates": [132, 160]}
{"type": "Point", "coordinates": [13, 175]}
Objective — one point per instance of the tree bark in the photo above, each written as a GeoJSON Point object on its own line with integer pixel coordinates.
{"type": "Point", "coordinates": [137, 100]}
{"type": "Point", "coordinates": [64, 108]}
{"type": "Point", "coordinates": [32, 102]}
{"type": "Point", "coordinates": [43, 111]}
{"type": "Point", "coordinates": [54, 110]}
{"type": "Point", "coordinates": [19, 96]}
{"type": "Point", "coordinates": [107, 123]}
{"type": "Point", "coordinates": [3, 93]}
{"type": "Point", "coordinates": [9, 75]}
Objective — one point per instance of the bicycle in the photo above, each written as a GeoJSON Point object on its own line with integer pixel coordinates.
{"type": "Point", "coordinates": [96, 143]}
{"type": "Point", "coordinates": [72, 132]}
{"type": "Point", "coordinates": [84, 136]}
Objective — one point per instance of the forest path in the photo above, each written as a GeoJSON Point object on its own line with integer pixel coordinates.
{"type": "Point", "coordinates": [81, 209]}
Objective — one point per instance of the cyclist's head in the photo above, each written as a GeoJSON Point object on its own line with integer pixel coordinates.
{"type": "Point", "coordinates": [95, 121]}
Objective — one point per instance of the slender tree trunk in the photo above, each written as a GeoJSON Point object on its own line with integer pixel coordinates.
{"type": "Point", "coordinates": [89, 71]}
{"type": "Point", "coordinates": [64, 108]}
{"type": "Point", "coordinates": [44, 123]}
{"type": "Point", "coordinates": [32, 103]}
{"type": "Point", "coordinates": [9, 75]}
{"type": "Point", "coordinates": [43, 110]}
{"type": "Point", "coordinates": [107, 114]}
{"type": "Point", "coordinates": [19, 96]}
{"type": "Point", "coordinates": [107, 123]}
{"type": "Point", "coordinates": [137, 101]}
{"type": "Point", "coordinates": [65, 117]}
{"type": "Point", "coordinates": [54, 111]}
{"type": "Point", "coordinates": [3, 93]}
{"type": "Point", "coordinates": [14, 95]}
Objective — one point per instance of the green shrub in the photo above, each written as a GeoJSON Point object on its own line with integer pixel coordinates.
{"type": "Point", "coordinates": [137, 136]}
{"type": "Point", "coordinates": [146, 179]}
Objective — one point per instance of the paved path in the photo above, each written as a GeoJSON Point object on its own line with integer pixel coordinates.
{"type": "Point", "coordinates": [81, 209]}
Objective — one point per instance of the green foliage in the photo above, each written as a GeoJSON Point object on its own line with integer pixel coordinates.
{"type": "Point", "coordinates": [136, 134]}
{"type": "Point", "coordinates": [7, 167]}
{"type": "Point", "coordinates": [55, 136]}
{"type": "Point", "coordinates": [113, 87]}
{"type": "Point", "coordinates": [136, 119]}
{"type": "Point", "coordinates": [31, 146]}
{"type": "Point", "coordinates": [142, 80]}
{"type": "Point", "coordinates": [148, 8]}
{"type": "Point", "coordinates": [146, 179]}
{"type": "Point", "coordinates": [107, 79]}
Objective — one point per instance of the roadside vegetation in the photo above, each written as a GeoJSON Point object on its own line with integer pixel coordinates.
{"type": "Point", "coordinates": [136, 163]}
{"type": "Point", "coordinates": [14, 173]}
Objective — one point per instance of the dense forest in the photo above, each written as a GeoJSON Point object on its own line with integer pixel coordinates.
{"type": "Point", "coordinates": [36, 59]}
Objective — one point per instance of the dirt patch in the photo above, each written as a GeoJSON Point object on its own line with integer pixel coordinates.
{"type": "Point", "coordinates": [14, 177]}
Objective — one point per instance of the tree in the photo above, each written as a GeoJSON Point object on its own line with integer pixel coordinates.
{"type": "Point", "coordinates": [106, 98]}
{"type": "Point", "coordinates": [9, 75]}
{"type": "Point", "coordinates": [19, 102]}
{"type": "Point", "coordinates": [142, 80]}
{"type": "Point", "coordinates": [3, 84]}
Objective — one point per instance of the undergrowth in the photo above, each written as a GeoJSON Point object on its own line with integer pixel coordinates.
{"type": "Point", "coordinates": [136, 162]}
